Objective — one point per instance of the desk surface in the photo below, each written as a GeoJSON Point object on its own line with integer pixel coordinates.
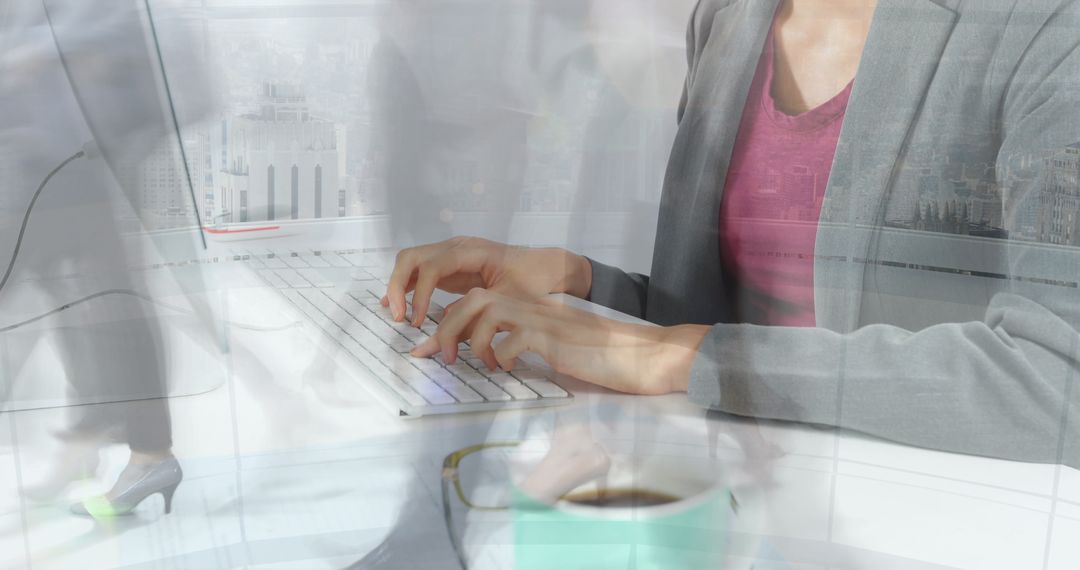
{"type": "Point", "coordinates": [291, 464]}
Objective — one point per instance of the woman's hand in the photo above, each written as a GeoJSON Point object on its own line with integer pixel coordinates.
{"type": "Point", "coordinates": [631, 358]}
{"type": "Point", "coordinates": [463, 263]}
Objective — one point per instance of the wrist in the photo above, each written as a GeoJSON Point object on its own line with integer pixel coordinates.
{"type": "Point", "coordinates": [678, 347]}
{"type": "Point", "coordinates": [574, 273]}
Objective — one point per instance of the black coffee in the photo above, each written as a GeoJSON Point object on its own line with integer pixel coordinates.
{"type": "Point", "coordinates": [620, 498]}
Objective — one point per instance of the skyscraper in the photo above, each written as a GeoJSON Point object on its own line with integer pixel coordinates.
{"type": "Point", "coordinates": [280, 163]}
{"type": "Point", "coordinates": [1057, 221]}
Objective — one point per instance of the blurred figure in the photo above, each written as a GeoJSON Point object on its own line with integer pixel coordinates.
{"type": "Point", "coordinates": [82, 109]}
{"type": "Point", "coordinates": [452, 107]}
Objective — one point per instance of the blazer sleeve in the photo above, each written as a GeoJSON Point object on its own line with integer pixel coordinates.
{"type": "Point", "coordinates": [616, 289]}
{"type": "Point", "coordinates": [611, 286]}
{"type": "Point", "coordinates": [1004, 386]}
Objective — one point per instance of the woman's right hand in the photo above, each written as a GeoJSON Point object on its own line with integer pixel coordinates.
{"type": "Point", "coordinates": [460, 264]}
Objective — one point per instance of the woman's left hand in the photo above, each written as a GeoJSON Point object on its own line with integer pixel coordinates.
{"type": "Point", "coordinates": [625, 357]}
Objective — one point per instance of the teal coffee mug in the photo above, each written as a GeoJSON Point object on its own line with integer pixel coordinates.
{"type": "Point", "coordinates": [657, 513]}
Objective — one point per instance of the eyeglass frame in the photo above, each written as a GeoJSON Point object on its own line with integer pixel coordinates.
{"type": "Point", "coordinates": [451, 475]}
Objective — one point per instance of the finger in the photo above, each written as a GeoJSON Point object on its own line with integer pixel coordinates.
{"type": "Point", "coordinates": [430, 273]}
{"type": "Point", "coordinates": [426, 349]}
{"type": "Point", "coordinates": [408, 287]}
{"type": "Point", "coordinates": [404, 267]}
{"type": "Point", "coordinates": [455, 325]}
{"type": "Point", "coordinates": [483, 334]}
{"type": "Point", "coordinates": [510, 348]}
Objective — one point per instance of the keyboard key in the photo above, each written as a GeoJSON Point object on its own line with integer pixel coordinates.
{"type": "Point", "coordinates": [384, 331]}
{"type": "Point", "coordinates": [327, 306]}
{"type": "Point", "coordinates": [335, 260]}
{"type": "Point", "coordinates": [546, 388]}
{"type": "Point", "coordinates": [427, 388]}
{"type": "Point", "coordinates": [359, 274]}
{"type": "Point", "coordinates": [311, 311]}
{"type": "Point", "coordinates": [368, 298]}
{"type": "Point", "coordinates": [292, 278]}
{"type": "Point", "coordinates": [490, 392]}
{"type": "Point", "coordinates": [373, 363]}
{"type": "Point", "coordinates": [378, 348]}
{"type": "Point", "coordinates": [350, 303]}
{"type": "Point", "coordinates": [511, 385]}
{"type": "Point", "coordinates": [384, 313]}
{"type": "Point", "coordinates": [467, 373]}
{"type": "Point", "coordinates": [271, 261]}
{"type": "Point", "coordinates": [406, 393]}
{"type": "Point", "coordinates": [463, 393]}
{"type": "Point", "coordinates": [444, 378]}
{"type": "Point", "coordinates": [410, 394]}
{"type": "Point", "coordinates": [406, 370]}
{"type": "Point", "coordinates": [270, 277]}
{"type": "Point", "coordinates": [503, 378]}
{"type": "Point", "coordinates": [294, 261]}
{"type": "Point", "coordinates": [403, 368]}
{"type": "Point", "coordinates": [364, 315]}
{"type": "Point", "coordinates": [360, 259]}
{"type": "Point", "coordinates": [426, 365]}
{"type": "Point", "coordinates": [414, 335]}
{"type": "Point", "coordinates": [315, 277]}
{"type": "Point", "coordinates": [357, 351]}
{"type": "Point", "coordinates": [314, 260]}
{"type": "Point", "coordinates": [436, 313]}
{"type": "Point", "coordinates": [296, 299]}
{"type": "Point", "coordinates": [252, 260]}
{"type": "Point", "coordinates": [526, 373]}
{"type": "Point", "coordinates": [330, 308]}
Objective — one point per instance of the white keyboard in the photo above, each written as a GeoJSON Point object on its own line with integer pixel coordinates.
{"type": "Point", "coordinates": [337, 291]}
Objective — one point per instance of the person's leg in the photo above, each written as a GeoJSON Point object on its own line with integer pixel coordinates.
{"type": "Point", "coordinates": [113, 368]}
{"type": "Point", "coordinates": [122, 366]}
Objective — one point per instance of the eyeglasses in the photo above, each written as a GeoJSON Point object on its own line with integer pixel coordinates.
{"type": "Point", "coordinates": [480, 476]}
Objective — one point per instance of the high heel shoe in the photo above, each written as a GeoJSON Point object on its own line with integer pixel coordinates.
{"type": "Point", "coordinates": [136, 483]}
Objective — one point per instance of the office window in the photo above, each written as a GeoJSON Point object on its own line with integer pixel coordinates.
{"type": "Point", "coordinates": [243, 206]}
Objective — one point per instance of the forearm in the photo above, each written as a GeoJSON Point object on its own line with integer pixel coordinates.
{"type": "Point", "coordinates": [679, 348]}
{"type": "Point", "coordinates": [960, 387]}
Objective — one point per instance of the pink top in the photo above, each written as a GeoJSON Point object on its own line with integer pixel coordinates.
{"type": "Point", "coordinates": [772, 202]}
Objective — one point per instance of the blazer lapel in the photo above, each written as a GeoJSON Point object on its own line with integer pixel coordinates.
{"type": "Point", "coordinates": [687, 253]}
{"type": "Point", "coordinates": [902, 52]}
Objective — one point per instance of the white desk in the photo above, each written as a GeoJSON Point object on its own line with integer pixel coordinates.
{"type": "Point", "coordinates": [292, 465]}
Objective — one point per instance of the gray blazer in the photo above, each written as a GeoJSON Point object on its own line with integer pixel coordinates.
{"type": "Point", "coordinates": [946, 264]}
